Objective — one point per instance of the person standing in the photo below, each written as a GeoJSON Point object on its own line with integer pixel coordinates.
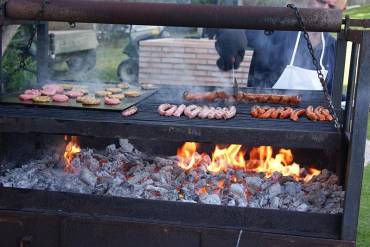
{"type": "Point", "coordinates": [281, 59]}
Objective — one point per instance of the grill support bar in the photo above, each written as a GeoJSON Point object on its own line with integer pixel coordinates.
{"type": "Point", "coordinates": [357, 142]}
{"type": "Point", "coordinates": [189, 15]}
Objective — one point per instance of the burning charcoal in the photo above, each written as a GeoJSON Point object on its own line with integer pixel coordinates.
{"type": "Point", "coordinates": [91, 163]}
{"type": "Point", "coordinates": [154, 192]}
{"type": "Point", "coordinates": [242, 202]}
{"type": "Point", "coordinates": [262, 202]}
{"type": "Point", "coordinates": [231, 202]}
{"type": "Point", "coordinates": [316, 198]}
{"type": "Point", "coordinates": [180, 178]}
{"type": "Point", "coordinates": [302, 208]}
{"type": "Point", "coordinates": [126, 147]}
{"type": "Point", "coordinates": [76, 164]}
{"type": "Point", "coordinates": [201, 183]}
{"type": "Point", "coordinates": [274, 190]}
{"type": "Point", "coordinates": [292, 188]}
{"type": "Point", "coordinates": [147, 182]}
{"type": "Point", "coordinates": [110, 149]}
{"type": "Point", "coordinates": [255, 182]}
{"type": "Point", "coordinates": [333, 179]}
{"type": "Point", "coordinates": [124, 190]}
{"type": "Point", "coordinates": [275, 202]}
{"type": "Point", "coordinates": [138, 177]}
{"type": "Point", "coordinates": [155, 176]}
{"type": "Point", "coordinates": [238, 190]}
{"type": "Point", "coordinates": [276, 176]}
{"type": "Point", "coordinates": [164, 162]}
{"type": "Point", "coordinates": [323, 176]}
{"type": "Point", "coordinates": [311, 186]}
{"type": "Point", "coordinates": [210, 199]}
{"type": "Point", "coordinates": [165, 177]}
{"type": "Point", "coordinates": [88, 177]}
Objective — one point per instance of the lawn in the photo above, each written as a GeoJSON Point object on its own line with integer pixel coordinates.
{"type": "Point", "coordinates": [362, 12]}
{"type": "Point", "coordinates": [108, 57]}
{"type": "Point", "coordinates": [363, 235]}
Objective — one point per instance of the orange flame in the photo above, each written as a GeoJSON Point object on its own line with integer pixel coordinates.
{"type": "Point", "coordinates": [71, 149]}
{"type": "Point", "coordinates": [187, 155]}
{"type": "Point", "coordinates": [233, 157]}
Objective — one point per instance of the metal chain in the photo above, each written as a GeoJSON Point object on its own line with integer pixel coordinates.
{"type": "Point", "coordinates": [22, 63]}
{"type": "Point", "coordinates": [315, 62]}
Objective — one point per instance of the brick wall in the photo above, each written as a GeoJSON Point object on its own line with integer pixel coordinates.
{"type": "Point", "coordinates": [185, 62]}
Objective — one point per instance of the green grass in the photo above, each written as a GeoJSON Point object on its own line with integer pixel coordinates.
{"type": "Point", "coordinates": [362, 12]}
{"type": "Point", "coordinates": [363, 234]}
{"type": "Point", "coordinates": [108, 57]}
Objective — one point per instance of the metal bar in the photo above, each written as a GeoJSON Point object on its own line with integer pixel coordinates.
{"type": "Point", "coordinates": [365, 23]}
{"type": "Point", "coordinates": [42, 52]}
{"type": "Point", "coordinates": [212, 16]}
{"type": "Point", "coordinates": [350, 87]}
{"type": "Point", "coordinates": [171, 212]}
{"type": "Point", "coordinates": [2, 83]}
{"type": "Point", "coordinates": [355, 161]}
{"type": "Point", "coordinates": [339, 71]}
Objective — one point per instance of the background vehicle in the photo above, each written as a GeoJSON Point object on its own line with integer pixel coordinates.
{"type": "Point", "coordinates": [127, 70]}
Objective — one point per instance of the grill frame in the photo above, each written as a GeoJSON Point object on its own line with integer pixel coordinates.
{"type": "Point", "coordinates": [352, 142]}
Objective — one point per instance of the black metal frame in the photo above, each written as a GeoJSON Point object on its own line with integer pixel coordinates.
{"type": "Point", "coordinates": [352, 141]}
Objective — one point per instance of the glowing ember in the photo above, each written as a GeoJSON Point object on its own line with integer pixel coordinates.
{"type": "Point", "coordinates": [71, 149]}
{"type": "Point", "coordinates": [261, 159]}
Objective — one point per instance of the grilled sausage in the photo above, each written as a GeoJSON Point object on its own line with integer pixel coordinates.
{"type": "Point", "coordinates": [163, 108]}
{"type": "Point", "coordinates": [194, 113]}
{"type": "Point", "coordinates": [277, 112]}
{"type": "Point", "coordinates": [267, 114]}
{"type": "Point", "coordinates": [211, 113]}
{"type": "Point", "coordinates": [326, 113]}
{"type": "Point", "coordinates": [219, 114]}
{"type": "Point", "coordinates": [286, 113]}
{"type": "Point", "coordinates": [130, 111]}
{"type": "Point", "coordinates": [254, 111]}
{"type": "Point", "coordinates": [204, 112]}
{"type": "Point", "coordinates": [179, 111]}
{"type": "Point", "coordinates": [230, 113]}
{"type": "Point", "coordinates": [171, 111]}
{"type": "Point", "coordinates": [310, 113]}
{"type": "Point", "coordinates": [320, 116]}
{"type": "Point", "coordinates": [296, 114]}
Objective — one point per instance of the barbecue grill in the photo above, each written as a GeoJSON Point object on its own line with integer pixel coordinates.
{"type": "Point", "coordinates": [69, 219]}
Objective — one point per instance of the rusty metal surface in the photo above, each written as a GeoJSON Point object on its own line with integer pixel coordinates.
{"type": "Point", "coordinates": [246, 17]}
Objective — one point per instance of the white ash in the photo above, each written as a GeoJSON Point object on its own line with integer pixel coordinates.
{"type": "Point", "coordinates": [124, 171]}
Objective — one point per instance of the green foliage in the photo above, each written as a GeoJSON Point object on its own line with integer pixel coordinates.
{"type": "Point", "coordinates": [16, 80]}
{"type": "Point", "coordinates": [363, 235]}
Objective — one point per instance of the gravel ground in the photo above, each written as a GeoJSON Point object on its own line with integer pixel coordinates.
{"type": "Point", "coordinates": [367, 153]}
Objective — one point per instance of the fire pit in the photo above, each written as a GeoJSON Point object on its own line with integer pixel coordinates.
{"type": "Point", "coordinates": [93, 176]}
{"type": "Point", "coordinates": [264, 180]}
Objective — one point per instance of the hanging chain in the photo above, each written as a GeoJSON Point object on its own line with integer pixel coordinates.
{"type": "Point", "coordinates": [22, 63]}
{"type": "Point", "coordinates": [317, 66]}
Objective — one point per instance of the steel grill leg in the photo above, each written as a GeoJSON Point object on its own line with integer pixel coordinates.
{"type": "Point", "coordinates": [355, 160]}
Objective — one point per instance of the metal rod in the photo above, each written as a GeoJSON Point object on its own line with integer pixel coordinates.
{"type": "Point", "coordinates": [337, 87]}
{"type": "Point", "coordinates": [187, 15]}
{"type": "Point", "coordinates": [42, 52]}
